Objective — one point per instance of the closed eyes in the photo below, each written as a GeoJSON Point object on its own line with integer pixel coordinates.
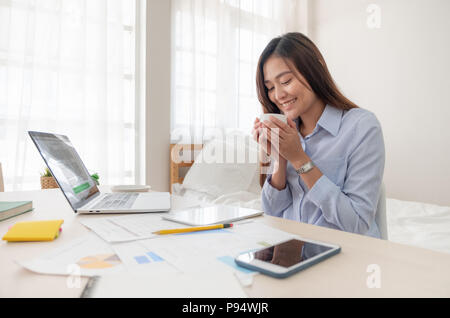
{"type": "Point", "coordinates": [282, 83]}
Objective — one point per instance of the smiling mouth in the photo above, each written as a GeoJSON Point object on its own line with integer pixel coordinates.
{"type": "Point", "coordinates": [287, 104]}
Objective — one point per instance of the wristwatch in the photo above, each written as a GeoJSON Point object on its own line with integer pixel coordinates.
{"type": "Point", "coordinates": [306, 167]}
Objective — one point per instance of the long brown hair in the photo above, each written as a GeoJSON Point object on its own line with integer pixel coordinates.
{"type": "Point", "coordinates": [303, 54]}
{"type": "Point", "coordinates": [300, 52]}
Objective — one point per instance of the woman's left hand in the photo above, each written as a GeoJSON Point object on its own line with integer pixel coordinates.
{"type": "Point", "coordinates": [289, 145]}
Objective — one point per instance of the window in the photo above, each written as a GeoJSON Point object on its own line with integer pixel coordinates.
{"type": "Point", "coordinates": [215, 49]}
{"type": "Point", "coordinates": [68, 67]}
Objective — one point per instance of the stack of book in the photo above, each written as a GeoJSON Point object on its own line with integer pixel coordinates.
{"type": "Point", "coordinates": [10, 209]}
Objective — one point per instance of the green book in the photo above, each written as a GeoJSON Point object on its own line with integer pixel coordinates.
{"type": "Point", "coordinates": [9, 209]}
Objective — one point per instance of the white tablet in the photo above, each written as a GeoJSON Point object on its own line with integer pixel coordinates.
{"type": "Point", "coordinates": [217, 214]}
{"type": "Point", "coordinates": [288, 257]}
{"type": "Point", "coordinates": [130, 188]}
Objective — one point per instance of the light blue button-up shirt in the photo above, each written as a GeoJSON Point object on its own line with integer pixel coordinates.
{"type": "Point", "coordinates": [348, 148]}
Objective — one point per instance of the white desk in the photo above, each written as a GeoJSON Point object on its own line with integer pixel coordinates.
{"type": "Point", "coordinates": [405, 271]}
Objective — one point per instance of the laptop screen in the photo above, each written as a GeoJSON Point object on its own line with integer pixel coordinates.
{"type": "Point", "coordinates": [66, 167]}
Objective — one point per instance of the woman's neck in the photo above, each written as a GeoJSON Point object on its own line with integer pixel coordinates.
{"type": "Point", "coordinates": [311, 117]}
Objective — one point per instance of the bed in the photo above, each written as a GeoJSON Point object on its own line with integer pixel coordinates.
{"type": "Point", "coordinates": [227, 171]}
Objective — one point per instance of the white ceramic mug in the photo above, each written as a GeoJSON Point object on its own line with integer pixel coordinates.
{"type": "Point", "coordinates": [281, 117]}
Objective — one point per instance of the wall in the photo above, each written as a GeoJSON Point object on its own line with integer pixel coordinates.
{"type": "Point", "coordinates": [157, 94]}
{"type": "Point", "coordinates": [399, 71]}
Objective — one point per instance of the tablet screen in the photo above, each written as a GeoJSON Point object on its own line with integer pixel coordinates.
{"type": "Point", "coordinates": [290, 253]}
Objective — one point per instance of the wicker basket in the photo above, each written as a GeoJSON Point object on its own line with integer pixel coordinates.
{"type": "Point", "coordinates": [48, 183]}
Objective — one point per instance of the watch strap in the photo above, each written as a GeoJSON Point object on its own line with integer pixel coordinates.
{"type": "Point", "coordinates": [305, 168]}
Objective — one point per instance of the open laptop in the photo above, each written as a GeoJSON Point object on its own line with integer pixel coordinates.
{"type": "Point", "coordinates": [78, 187]}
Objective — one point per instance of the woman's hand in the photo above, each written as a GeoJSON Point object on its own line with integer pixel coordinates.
{"type": "Point", "coordinates": [260, 134]}
{"type": "Point", "coordinates": [284, 139]}
{"type": "Point", "coordinates": [256, 129]}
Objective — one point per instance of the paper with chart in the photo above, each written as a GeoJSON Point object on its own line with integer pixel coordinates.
{"type": "Point", "coordinates": [168, 256]}
{"type": "Point", "coordinates": [139, 257]}
{"type": "Point", "coordinates": [204, 250]}
{"type": "Point", "coordinates": [88, 255]}
{"type": "Point", "coordinates": [135, 226]}
{"type": "Point", "coordinates": [129, 227]}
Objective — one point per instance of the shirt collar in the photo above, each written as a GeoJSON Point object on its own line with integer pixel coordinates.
{"type": "Point", "coordinates": [331, 119]}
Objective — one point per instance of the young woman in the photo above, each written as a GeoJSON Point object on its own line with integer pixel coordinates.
{"type": "Point", "coordinates": [327, 162]}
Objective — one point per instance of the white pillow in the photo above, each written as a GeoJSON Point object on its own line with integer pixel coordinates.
{"type": "Point", "coordinates": [224, 166]}
{"type": "Point", "coordinates": [255, 186]}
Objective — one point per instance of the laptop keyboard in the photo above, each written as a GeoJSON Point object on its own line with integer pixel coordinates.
{"type": "Point", "coordinates": [116, 201]}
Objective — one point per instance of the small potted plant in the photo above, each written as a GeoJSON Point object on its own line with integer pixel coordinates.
{"type": "Point", "coordinates": [95, 177]}
{"type": "Point", "coordinates": [47, 180]}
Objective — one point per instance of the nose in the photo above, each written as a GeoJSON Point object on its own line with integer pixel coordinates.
{"type": "Point", "coordinates": [280, 94]}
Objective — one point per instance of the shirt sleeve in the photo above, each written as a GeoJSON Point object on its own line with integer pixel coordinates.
{"type": "Point", "coordinates": [353, 207]}
{"type": "Point", "coordinates": [274, 201]}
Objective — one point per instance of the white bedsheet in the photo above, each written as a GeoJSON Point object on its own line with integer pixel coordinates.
{"type": "Point", "coordinates": [419, 224]}
{"type": "Point", "coordinates": [412, 223]}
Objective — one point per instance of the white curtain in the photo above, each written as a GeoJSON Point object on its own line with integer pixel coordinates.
{"type": "Point", "coordinates": [67, 66]}
{"type": "Point", "coordinates": [215, 49]}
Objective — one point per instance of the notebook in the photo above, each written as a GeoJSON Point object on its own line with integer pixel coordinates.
{"type": "Point", "coordinates": [8, 209]}
{"type": "Point", "coordinates": [34, 231]}
{"type": "Point", "coordinates": [217, 214]}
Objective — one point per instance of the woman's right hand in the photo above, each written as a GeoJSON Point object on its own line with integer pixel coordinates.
{"type": "Point", "coordinates": [280, 164]}
{"type": "Point", "coordinates": [260, 136]}
{"type": "Point", "coordinates": [256, 129]}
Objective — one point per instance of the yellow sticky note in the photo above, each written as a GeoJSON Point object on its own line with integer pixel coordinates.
{"type": "Point", "coordinates": [33, 231]}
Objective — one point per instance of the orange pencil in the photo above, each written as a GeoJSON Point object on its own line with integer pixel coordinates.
{"type": "Point", "coordinates": [194, 229]}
